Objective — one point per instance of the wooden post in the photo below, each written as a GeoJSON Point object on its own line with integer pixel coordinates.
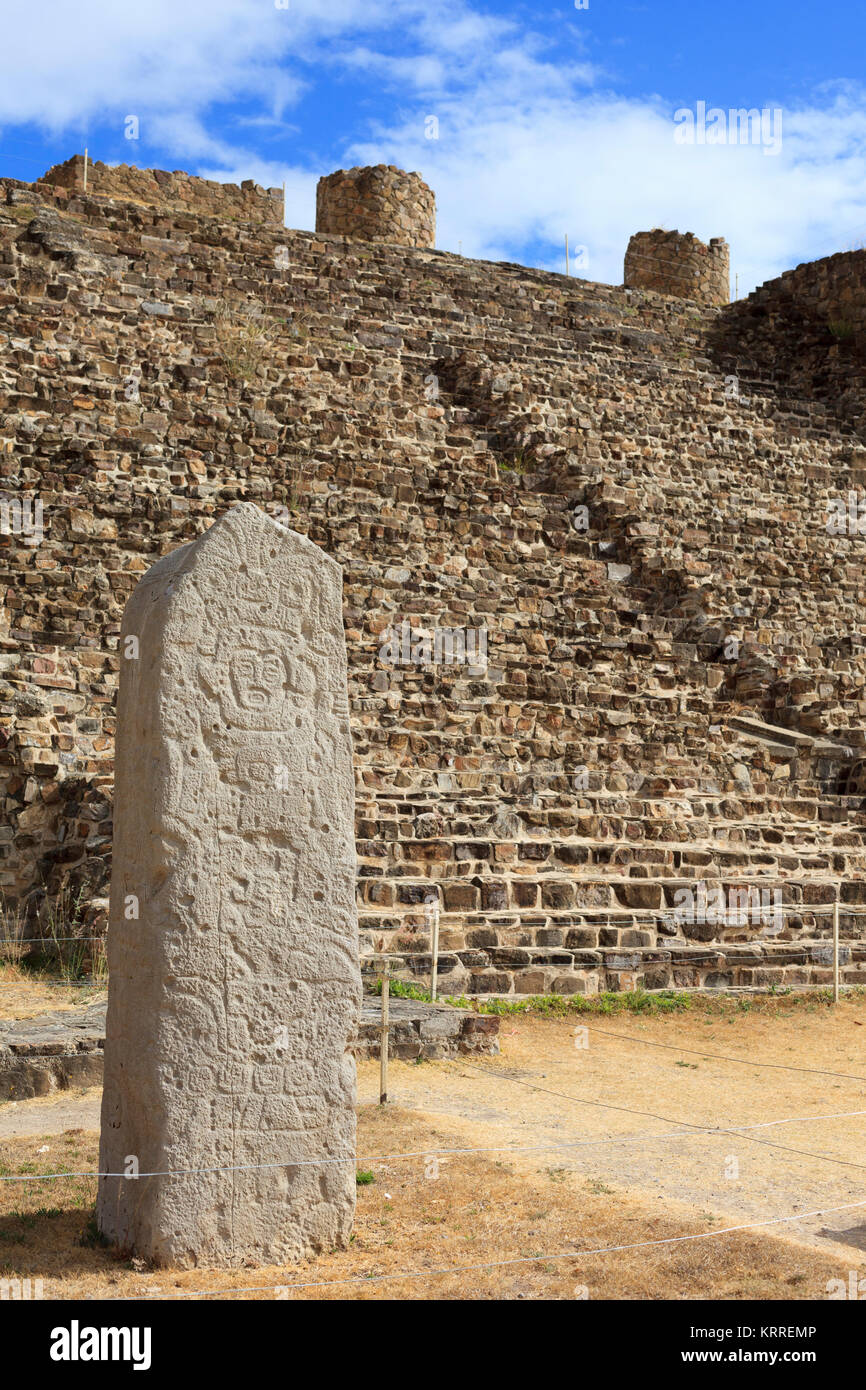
{"type": "Point", "coordinates": [434, 946]}
{"type": "Point", "coordinates": [85, 168]}
{"type": "Point", "coordinates": [566, 254]}
{"type": "Point", "coordinates": [383, 1044]}
{"type": "Point", "coordinates": [836, 948]}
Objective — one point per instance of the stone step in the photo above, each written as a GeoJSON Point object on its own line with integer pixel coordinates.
{"type": "Point", "coordinates": [515, 972]}
{"type": "Point", "coordinates": [58, 1050]}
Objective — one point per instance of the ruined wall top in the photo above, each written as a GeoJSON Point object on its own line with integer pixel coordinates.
{"type": "Point", "coordinates": [440, 427]}
{"type": "Point", "coordinates": [177, 190]}
{"type": "Point", "coordinates": [679, 264]}
{"type": "Point", "coordinates": [832, 289]}
{"type": "Point", "coordinates": [380, 203]}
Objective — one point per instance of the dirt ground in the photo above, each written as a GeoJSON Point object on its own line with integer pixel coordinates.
{"type": "Point", "coordinates": [24, 997]}
{"type": "Point", "coordinates": [549, 1089]}
{"type": "Point", "coordinates": [590, 1140]}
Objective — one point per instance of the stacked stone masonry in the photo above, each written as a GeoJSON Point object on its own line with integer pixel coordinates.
{"type": "Point", "coordinates": [66, 1048]}
{"type": "Point", "coordinates": [379, 203]}
{"type": "Point", "coordinates": [671, 263]}
{"type": "Point", "coordinates": [436, 424]}
{"type": "Point", "coordinates": [182, 192]}
{"type": "Point", "coordinates": [805, 334]}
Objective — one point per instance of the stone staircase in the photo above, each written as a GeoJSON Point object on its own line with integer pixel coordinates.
{"type": "Point", "coordinates": [674, 693]}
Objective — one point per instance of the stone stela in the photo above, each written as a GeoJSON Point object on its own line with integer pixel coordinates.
{"type": "Point", "coordinates": [233, 951]}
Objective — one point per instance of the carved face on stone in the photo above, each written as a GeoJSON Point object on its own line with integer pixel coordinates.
{"type": "Point", "coordinates": [257, 679]}
{"type": "Point", "coordinates": [227, 1044]}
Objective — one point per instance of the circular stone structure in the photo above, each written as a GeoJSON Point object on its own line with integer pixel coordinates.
{"type": "Point", "coordinates": [679, 264]}
{"type": "Point", "coordinates": [377, 203]}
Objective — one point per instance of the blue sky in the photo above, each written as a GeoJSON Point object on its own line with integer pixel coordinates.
{"type": "Point", "coordinates": [552, 119]}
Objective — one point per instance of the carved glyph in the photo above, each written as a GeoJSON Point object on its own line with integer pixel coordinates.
{"type": "Point", "coordinates": [233, 994]}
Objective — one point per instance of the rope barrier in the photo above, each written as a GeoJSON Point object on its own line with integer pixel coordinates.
{"type": "Point", "coordinates": [602, 1105]}
{"type": "Point", "coordinates": [517, 1260]}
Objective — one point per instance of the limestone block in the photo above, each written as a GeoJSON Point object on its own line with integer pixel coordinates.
{"type": "Point", "coordinates": [235, 989]}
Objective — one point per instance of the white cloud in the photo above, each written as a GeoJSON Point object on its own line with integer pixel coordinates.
{"type": "Point", "coordinates": [512, 174]}
{"type": "Point", "coordinates": [75, 63]}
{"type": "Point", "coordinates": [531, 147]}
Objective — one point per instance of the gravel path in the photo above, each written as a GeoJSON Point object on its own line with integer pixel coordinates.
{"type": "Point", "coordinates": [52, 1115]}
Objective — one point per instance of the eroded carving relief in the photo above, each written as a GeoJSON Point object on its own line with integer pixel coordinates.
{"type": "Point", "coordinates": [233, 996]}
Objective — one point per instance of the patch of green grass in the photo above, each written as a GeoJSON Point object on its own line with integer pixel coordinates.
{"type": "Point", "coordinates": [22, 212]}
{"type": "Point", "coordinates": [364, 1177]}
{"type": "Point", "coordinates": [26, 1221]}
{"type": "Point", "coordinates": [402, 989]}
{"type": "Point", "coordinates": [659, 1004]}
{"type": "Point", "coordinates": [557, 1174]}
{"type": "Point", "coordinates": [92, 1237]}
{"type": "Point", "coordinates": [562, 1005]}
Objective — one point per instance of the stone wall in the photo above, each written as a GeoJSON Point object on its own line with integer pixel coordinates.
{"type": "Point", "coordinates": [65, 1048]}
{"type": "Point", "coordinates": [671, 263]}
{"type": "Point", "coordinates": [177, 190]}
{"type": "Point", "coordinates": [832, 289]}
{"type": "Point", "coordinates": [805, 333]}
{"type": "Point", "coordinates": [381, 203]}
{"type": "Point", "coordinates": [480, 446]}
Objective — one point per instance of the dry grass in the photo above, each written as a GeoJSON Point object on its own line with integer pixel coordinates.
{"type": "Point", "coordinates": [13, 930]}
{"type": "Point", "coordinates": [66, 951]}
{"type": "Point", "coordinates": [24, 996]}
{"type": "Point", "coordinates": [489, 1207]}
{"type": "Point", "coordinates": [478, 1210]}
{"type": "Point", "coordinates": [246, 336]}
{"type": "Point", "coordinates": [597, 1097]}
{"type": "Point", "coordinates": [774, 1003]}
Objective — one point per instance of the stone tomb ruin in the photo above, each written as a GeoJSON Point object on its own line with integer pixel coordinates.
{"type": "Point", "coordinates": [629, 488]}
{"type": "Point", "coordinates": [232, 948]}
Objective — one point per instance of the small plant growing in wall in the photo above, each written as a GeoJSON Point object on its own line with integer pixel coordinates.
{"type": "Point", "coordinates": [842, 330]}
{"type": "Point", "coordinates": [299, 485]}
{"type": "Point", "coordinates": [245, 337]}
{"type": "Point", "coordinates": [298, 477]}
{"type": "Point", "coordinates": [517, 462]}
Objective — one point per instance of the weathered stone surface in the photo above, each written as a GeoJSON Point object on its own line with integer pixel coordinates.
{"type": "Point", "coordinates": [377, 203]}
{"type": "Point", "coordinates": [607, 743]}
{"type": "Point", "coordinates": [671, 263]}
{"type": "Point", "coordinates": [233, 996]}
{"type": "Point", "coordinates": [63, 1049]}
{"type": "Point", "coordinates": [51, 1052]}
